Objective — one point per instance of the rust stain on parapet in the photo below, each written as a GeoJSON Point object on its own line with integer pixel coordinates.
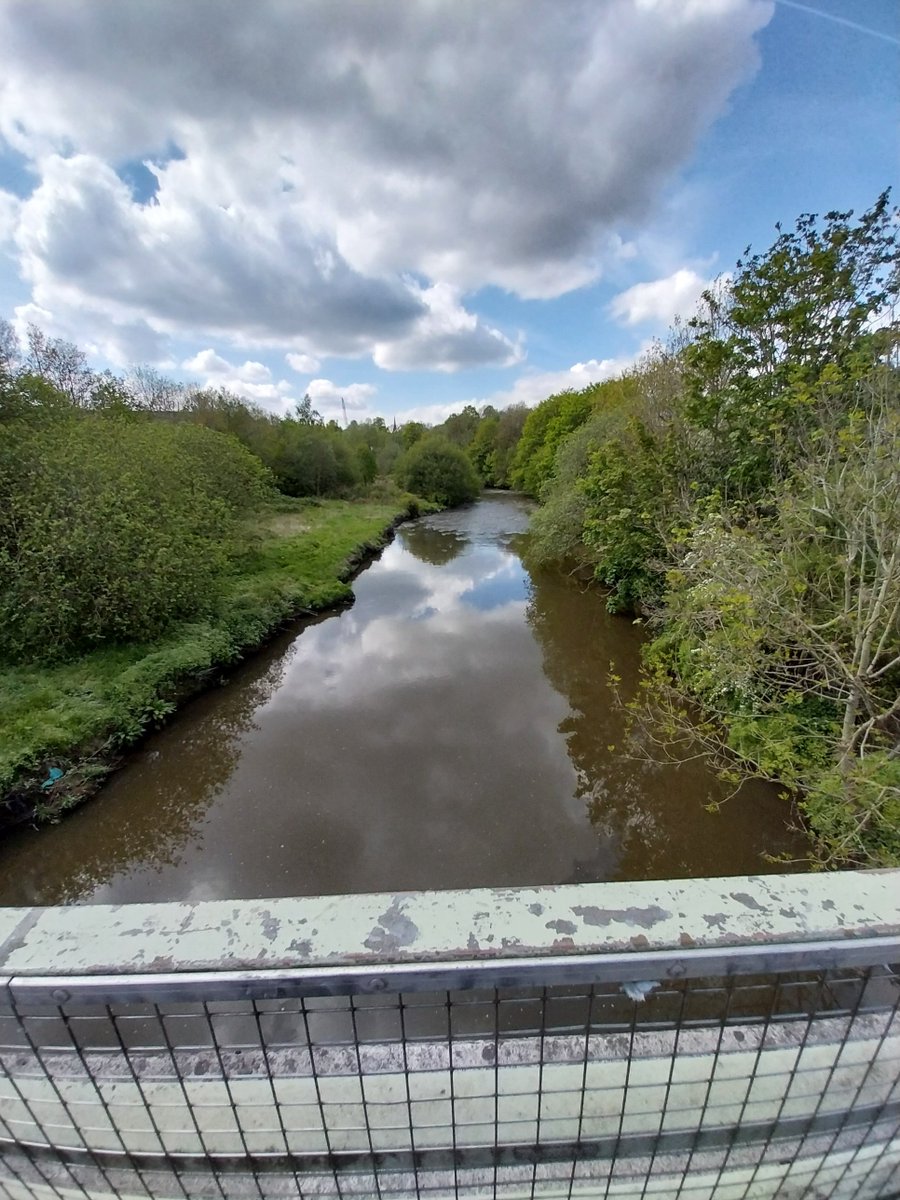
{"type": "Point", "coordinates": [451, 926]}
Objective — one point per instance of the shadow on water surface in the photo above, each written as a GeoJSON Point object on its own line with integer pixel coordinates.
{"type": "Point", "coordinates": [450, 729]}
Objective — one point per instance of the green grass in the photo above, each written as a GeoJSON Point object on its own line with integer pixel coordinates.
{"type": "Point", "coordinates": [77, 716]}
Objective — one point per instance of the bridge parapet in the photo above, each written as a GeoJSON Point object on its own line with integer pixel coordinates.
{"type": "Point", "coordinates": [712, 1039]}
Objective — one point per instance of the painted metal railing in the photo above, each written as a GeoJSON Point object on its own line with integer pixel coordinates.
{"type": "Point", "coordinates": [714, 1039]}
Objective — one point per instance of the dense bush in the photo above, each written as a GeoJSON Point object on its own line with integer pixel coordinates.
{"type": "Point", "coordinates": [557, 530]}
{"type": "Point", "coordinates": [111, 529]}
{"type": "Point", "coordinates": [438, 471]}
{"type": "Point", "coordinates": [545, 429]}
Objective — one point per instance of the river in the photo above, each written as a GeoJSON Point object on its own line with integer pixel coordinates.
{"type": "Point", "coordinates": [452, 728]}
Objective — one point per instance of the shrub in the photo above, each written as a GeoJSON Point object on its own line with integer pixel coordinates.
{"type": "Point", "coordinates": [438, 471]}
{"type": "Point", "coordinates": [112, 529]}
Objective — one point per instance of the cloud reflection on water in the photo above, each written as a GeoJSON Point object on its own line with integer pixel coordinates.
{"type": "Point", "coordinates": [450, 729]}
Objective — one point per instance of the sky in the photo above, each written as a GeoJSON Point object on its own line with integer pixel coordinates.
{"type": "Point", "coordinates": [412, 206]}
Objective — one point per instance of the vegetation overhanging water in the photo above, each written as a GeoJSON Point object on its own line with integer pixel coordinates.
{"type": "Point", "coordinates": [453, 728]}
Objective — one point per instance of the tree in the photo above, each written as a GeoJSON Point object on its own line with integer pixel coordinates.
{"type": "Point", "coordinates": [787, 629]}
{"type": "Point", "coordinates": [544, 430]}
{"type": "Point", "coordinates": [436, 470]}
{"type": "Point", "coordinates": [61, 364]}
{"type": "Point", "coordinates": [412, 432]}
{"type": "Point", "coordinates": [112, 529]}
{"type": "Point", "coordinates": [483, 449]}
{"type": "Point", "coordinates": [512, 422]}
{"type": "Point", "coordinates": [794, 317]}
{"type": "Point", "coordinates": [153, 392]}
{"type": "Point", "coordinates": [110, 395]}
{"type": "Point", "coordinates": [10, 350]}
{"type": "Point", "coordinates": [305, 414]}
{"type": "Point", "coordinates": [367, 464]}
{"type": "Point", "coordinates": [459, 428]}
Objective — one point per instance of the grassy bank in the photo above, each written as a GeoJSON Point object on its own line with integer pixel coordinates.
{"type": "Point", "coordinates": [77, 717]}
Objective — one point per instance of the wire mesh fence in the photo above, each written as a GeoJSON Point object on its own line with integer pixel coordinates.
{"type": "Point", "coordinates": [770, 1080]}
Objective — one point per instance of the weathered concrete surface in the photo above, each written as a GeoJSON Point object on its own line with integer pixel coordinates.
{"type": "Point", "coordinates": [452, 926]}
{"type": "Point", "coordinates": [10, 919]}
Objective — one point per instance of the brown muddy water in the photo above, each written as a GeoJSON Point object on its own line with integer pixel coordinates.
{"type": "Point", "coordinates": [452, 729]}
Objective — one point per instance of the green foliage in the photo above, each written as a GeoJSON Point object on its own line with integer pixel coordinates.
{"type": "Point", "coordinates": [794, 319]}
{"type": "Point", "coordinates": [482, 449]}
{"type": "Point", "coordinates": [412, 432]}
{"type": "Point", "coordinates": [438, 471]}
{"type": "Point", "coordinates": [111, 530]}
{"type": "Point", "coordinates": [545, 428]}
{"type": "Point", "coordinates": [294, 555]}
{"type": "Point", "coordinates": [856, 814]}
{"type": "Point", "coordinates": [460, 428]}
{"type": "Point", "coordinates": [624, 498]}
{"type": "Point", "coordinates": [304, 412]}
{"type": "Point", "coordinates": [309, 460]}
{"type": "Point", "coordinates": [557, 527]}
{"type": "Point", "coordinates": [366, 464]}
{"type": "Point", "coordinates": [511, 422]}
{"type": "Point", "coordinates": [747, 499]}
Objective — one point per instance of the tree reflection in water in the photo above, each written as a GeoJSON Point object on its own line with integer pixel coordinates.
{"type": "Point", "coordinates": [650, 818]}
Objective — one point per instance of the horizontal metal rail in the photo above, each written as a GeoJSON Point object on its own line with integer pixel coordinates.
{"type": "Point", "coordinates": [546, 970]}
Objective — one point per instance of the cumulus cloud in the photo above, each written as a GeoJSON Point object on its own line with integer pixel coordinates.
{"type": "Point", "coordinates": [9, 217]}
{"type": "Point", "coordinates": [121, 342]}
{"type": "Point", "coordinates": [186, 265]}
{"type": "Point", "coordinates": [303, 364]}
{"type": "Point", "coordinates": [534, 386]}
{"type": "Point", "coordinates": [446, 338]}
{"type": "Point", "coordinates": [328, 152]}
{"type": "Point", "coordinates": [210, 364]}
{"type": "Point", "coordinates": [252, 380]}
{"type": "Point", "coordinates": [326, 395]}
{"type": "Point", "coordinates": [661, 300]}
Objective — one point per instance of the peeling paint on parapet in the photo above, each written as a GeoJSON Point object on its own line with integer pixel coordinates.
{"type": "Point", "coordinates": [393, 931]}
{"type": "Point", "coordinates": [451, 926]}
{"type": "Point", "coordinates": [645, 917]}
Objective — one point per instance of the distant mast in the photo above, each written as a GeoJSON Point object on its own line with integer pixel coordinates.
{"type": "Point", "coordinates": [344, 408]}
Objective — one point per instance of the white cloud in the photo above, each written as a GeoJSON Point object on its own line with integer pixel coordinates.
{"type": "Point", "coordinates": [212, 365]}
{"type": "Point", "coordinates": [327, 395]}
{"type": "Point", "coordinates": [252, 380]}
{"type": "Point", "coordinates": [9, 217]}
{"type": "Point", "coordinates": [183, 265]}
{"type": "Point", "coordinates": [446, 338]}
{"type": "Point", "coordinates": [533, 387]}
{"type": "Point", "coordinates": [331, 150]}
{"type": "Point", "coordinates": [661, 300]}
{"type": "Point", "coordinates": [429, 414]}
{"type": "Point", "coordinates": [120, 342]}
{"type": "Point", "coordinates": [303, 364]}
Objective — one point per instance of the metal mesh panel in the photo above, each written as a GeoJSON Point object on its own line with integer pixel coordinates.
{"type": "Point", "coordinates": [756, 1085]}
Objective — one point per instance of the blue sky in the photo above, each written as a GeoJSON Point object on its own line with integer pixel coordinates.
{"type": "Point", "coordinates": [417, 206]}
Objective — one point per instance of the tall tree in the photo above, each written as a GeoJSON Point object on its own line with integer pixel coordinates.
{"type": "Point", "coordinates": [61, 364]}
{"type": "Point", "coordinates": [799, 315]}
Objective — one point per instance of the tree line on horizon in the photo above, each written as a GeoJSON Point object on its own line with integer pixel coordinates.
{"type": "Point", "coordinates": [122, 498]}
{"type": "Point", "coordinates": [307, 455]}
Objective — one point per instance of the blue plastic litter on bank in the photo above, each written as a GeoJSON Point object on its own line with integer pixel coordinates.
{"type": "Point", "coordinates": [54, 774]}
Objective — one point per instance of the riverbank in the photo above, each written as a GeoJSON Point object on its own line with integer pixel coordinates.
{"type": "Point", "coordinates": [63, 728]}
{"type": "Point", "coordinates": [453, 728]}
